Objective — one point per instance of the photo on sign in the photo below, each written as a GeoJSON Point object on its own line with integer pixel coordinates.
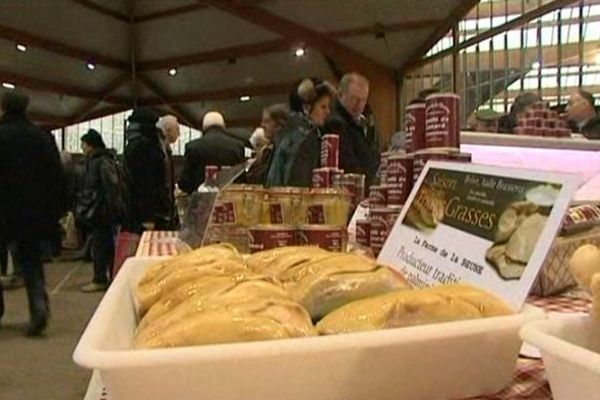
{"type": "Point", "coordinates": [509, 213]}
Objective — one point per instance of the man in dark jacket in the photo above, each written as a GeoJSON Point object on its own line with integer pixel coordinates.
{"type": "Point", "coordinates": [31, 201]}
{"type": "Point", "coordinates": [358, 141]}
{"type": "Point", "coordinates": [582, 112]}
{"type": "Point", "coordinates": [146, 163]}
{"type": "Point", "coordinates": [99, 206]}
{"type": "Point", "coordinates": [215, 147]}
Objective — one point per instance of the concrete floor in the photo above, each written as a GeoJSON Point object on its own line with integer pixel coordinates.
{"type": "Point", "coordinates": [42, 368]}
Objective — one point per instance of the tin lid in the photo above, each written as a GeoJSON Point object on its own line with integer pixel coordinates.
{"type": "Point", "coordinates": [317, 227]}
{"type": "Point", "coordinates": [415, 106]}
{"type": "Point", "coordinates": [272, 227]}
{"type": "Point", "coordinates": [401, 156]}
{"type": "Point", "coordinates": [442, 95]}
{"type": "Point", "coordinates": [330, 135]}
{"type": "Point", "coordinates": [385, 210]}
{"type": "Point", "coordinates": [437, 150]}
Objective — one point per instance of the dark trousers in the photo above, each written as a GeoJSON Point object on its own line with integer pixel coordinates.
{"type": "Point", "coordinates": [103, 252]}
{"type": "Point", "coordinates": [28, 256]}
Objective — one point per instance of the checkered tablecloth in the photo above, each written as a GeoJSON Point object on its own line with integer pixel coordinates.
{"type": "Point", "coordinates": [160, 243]}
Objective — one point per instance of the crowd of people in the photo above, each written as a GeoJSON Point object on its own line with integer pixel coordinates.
{"type": "Point", "coordinates": [136, 192]}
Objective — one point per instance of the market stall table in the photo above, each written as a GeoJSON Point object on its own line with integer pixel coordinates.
{"type": "Point", "coordinates": [529, 381]}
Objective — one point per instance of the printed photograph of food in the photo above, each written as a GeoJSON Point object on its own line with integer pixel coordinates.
{"type": "Point", "coordinates": [427, 209]}
{"type": "Point", "coordinates": [519, 228]}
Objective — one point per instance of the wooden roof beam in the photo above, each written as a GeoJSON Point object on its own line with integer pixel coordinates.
{"type": "Point", "coordinates": [459, 13]}
{"type": "Point", "coordinates": [52, 87]}
{"type": "Point", "coordinates": [19, 36]}
{"type": "Point", "coordinates": [178, 11]}
{"type": "Point", "coordinates": [187, 118]}
{"type": "Point", "coordinates": [275, 46]}
{"type": "Point", "coordinates": [116, 83]}
{"type": "Point", "coordinates": [45, 118]}
{"type": "Point", "coordinates": [294, 31]}
{"type": "Point", "coordinates": [221, 94]}
{"type": "Point", "coordinates": [102, 10]}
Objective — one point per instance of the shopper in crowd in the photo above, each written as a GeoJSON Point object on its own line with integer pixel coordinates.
{"type": "Point", "coordinates": [146, 161]}
{"type": "Point", "coordinates": [169, 126]}
{"type": "Point", "coordinates": [99, 206]}
{"type": "Point", "coordinates": [32, 198]}
{"type": "Point", "coordinates": [274, 118]}
{"type": "Point", "coordinates": [216, 147]}
{"type": "Point", "coordinates": [297, 150]}
{"type": "Point", "coordinates": [359, 152]}
{"type": "Point", "coordinates": [486, 120]}
{"type": "Point", "coordinates": [522, 104]}
{"type": "Point", "coordinates": [582, 111]}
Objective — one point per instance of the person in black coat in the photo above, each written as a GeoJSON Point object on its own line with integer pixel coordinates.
{"type": "Point", "coordinates": [582, 112]}
{"type": "Point", "coordinates": [298, 146]}
{"type": "Point", "coordinates": [359, 151]}
{"type": "Point", "coordinates": [215, 147]}
{"type": "Point", "coordinates": [147, 166]}
{"type": "Point", "coordinates": [32, 188]}
{"type": "Point", "coordinates": [99, 205]}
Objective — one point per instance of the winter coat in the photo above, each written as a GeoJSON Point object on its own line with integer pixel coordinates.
{"type": "Point", "coordinates": [297, 153]}
{"type": "Point", "coordinates": [148, 164]}
{"type": "Point", "coordinates": [257, 174]}
{"type": "Point", "coordinates": [215, 147]}
{"type": "Point", "coordinates": [358, 145]}
{"type": "Point", "coordinates": [32, 182]}
{"type": "Point", "coordinates": [99, 202]}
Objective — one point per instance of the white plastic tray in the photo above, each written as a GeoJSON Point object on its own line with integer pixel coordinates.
{"type": "Point", "coordinates": [570, 347]}
{"type": "Point", "coordinates": [443, 361]}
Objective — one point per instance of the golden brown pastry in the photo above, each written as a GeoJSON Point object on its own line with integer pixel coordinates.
{"type": "Point", "coordinates": [413, 307]}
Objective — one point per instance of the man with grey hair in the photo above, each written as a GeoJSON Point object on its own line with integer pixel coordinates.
{"type": "Point", "coordinates": [358, 143]}
{"type": "Point", "coordinates": [217, 147]}
{"type": "Point", "coordinates": [169, 126]}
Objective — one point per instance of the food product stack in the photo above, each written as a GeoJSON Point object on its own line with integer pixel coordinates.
{"type": "Point", "coordinates": [432, 133]}
{"type": "Point", "coordinates": [541, 121]}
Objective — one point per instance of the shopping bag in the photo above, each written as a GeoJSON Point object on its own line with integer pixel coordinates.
{"type": "Point", "coordinates": [71, 235]}
{"type": "Point", "coordinates": [127, 243]}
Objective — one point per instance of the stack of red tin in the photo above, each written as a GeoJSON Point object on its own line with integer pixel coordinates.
{"type": "Point", "coordinates": [331, 176]}
{"type": "Point", "coordinates": [541, 121]}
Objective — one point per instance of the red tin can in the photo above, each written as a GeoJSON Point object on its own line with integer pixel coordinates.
{"type": "Point", "coordinates": [423, 156]}
{"type": "Point", "coordinates": [415, 127]}
{"type": "Point", "coordinates": [321, 178]}
{"type": "Point", "coordinates": [442, 120]}
{"type": "Point", "coordinates": [400, 172]}
{"type": "Point", "coordinates": [265, 237]}
{"type": "Point", "coordinates": [330, 151]}
{"type": "Point", "coordinates": [382, 221]}
{"type": "Point", "coordinates": [378, 195]}
{"type": "Point", "coordinates": [397, 195]}
{"type": "Point", "coordinates": [363, 232]}
{"type": "Point", "coordinates": [210, 172]}
{"type": "Point", "coordinates": [327, 237]}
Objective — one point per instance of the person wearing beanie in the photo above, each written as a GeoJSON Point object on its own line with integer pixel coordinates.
{"type": "Point", "coordinates": [33, 200]}
{"type": "Point", "coordinates": [99, 206]}
{"type": "Point", "coordinates": [147, 166]}
{"type": "Point", "coordinates": [217, 146]}
{"type": "Point", "coordinates": [298, 148]}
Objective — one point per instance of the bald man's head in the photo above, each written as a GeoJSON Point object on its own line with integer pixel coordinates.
{"type": "Point", "coordinates": [170, 128]}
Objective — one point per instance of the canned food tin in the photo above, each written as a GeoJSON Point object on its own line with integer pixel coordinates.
{"type": "Point", "coordinates": [330, 151]}
{"type": "Point", "coordinates": [327, 237]}
{"type": "Point", "coordinates": [363, 232]}
{"type": "Point", "coordinates": [400, 173]}
{"type": "Point", "coordinates": [210, 172]}
{"type": "Point", "coordinates": [442, 124]}
{"type": "Point", "coordinates": [415, 127]}
{"type": "Point", "coordinates": [396, 195]}
{"type": "Point", "coordinates": [422, 156]}
{"type": "Point", "coordinates": [382, 221]}
{"type": "Point", "coordinates": [265, 237]}
{"type": "Point", "coordinates": [321, 177]}
{"type": "Point", "coordinates": [378, 195]}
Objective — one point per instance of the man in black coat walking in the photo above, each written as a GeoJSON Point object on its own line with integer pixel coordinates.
{"type": "Point", "coordinates": [215, 147]}
{"type": "Point", "coordinates": [32, 191]}
{"type": "Point", "coordinates": [359, 151]}
{"type": "Point", "coordinates": [147, 167]}
{"type": "Point", "coordinates": [99, 206]}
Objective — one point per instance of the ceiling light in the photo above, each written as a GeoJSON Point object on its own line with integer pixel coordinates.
{"type": "Point", "coordinates": [8, 85]}
{"type": "Point", "coordinates": [91, 66]}
{"type": "Point", "coordinates": [245, 98]}
{"type": "Point", "coordinates": [173, 71]}
{"type": "Point", "coordinates": [300, 52]}
{"type": "Point", "coordinates": [536, 65]}
{"type": "Point", "coordinates": [21, 47]}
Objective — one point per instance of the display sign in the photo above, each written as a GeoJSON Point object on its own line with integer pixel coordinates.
{"type": "Point", "coordinates": [488, 226]}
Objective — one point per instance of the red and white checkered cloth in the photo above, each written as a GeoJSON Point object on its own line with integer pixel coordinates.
{"type": "Point", "coordinates": [159, 243]}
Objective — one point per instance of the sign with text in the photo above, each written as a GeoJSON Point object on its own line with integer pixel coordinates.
{"type": "Point", "coordinates": [489, 226]}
